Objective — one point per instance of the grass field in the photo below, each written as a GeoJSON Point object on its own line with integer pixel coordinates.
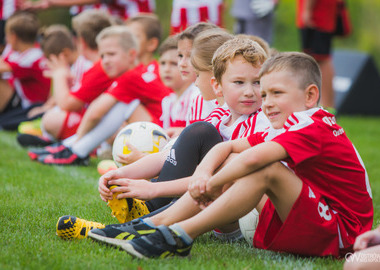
{"type": "Point", "coordinates": [33, 196]}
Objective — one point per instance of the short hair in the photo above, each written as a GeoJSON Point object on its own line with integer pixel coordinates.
{"type": "Point", "coordinates": [194, 30]}
{"type": "Point", "coordinates": [89, 23]}
{"type": "Point", "coordinates": [151, 24]}
{"type": "Point", "coordinates": [259, 40]}
{"type": "Point", "coordinates": [24, 25]}
{"type": "Point", "coordinates": [303, 66]}
{"type": "Point", "coordinates": [205, 45]}
{"type": "Point", "coordinates": [170, 43]}
{"type": "Point", "coordinates": [55, 39]}
{"type": "Point", "coordinates": [127, 40]}
{"type": "Point", "coordinates": [250, 50]}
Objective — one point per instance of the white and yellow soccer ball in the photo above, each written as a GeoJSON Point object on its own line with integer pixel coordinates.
{"type": "Point", "coordinates": [248, 225]}
{"type": "Point", "coordinates": [147, 137]}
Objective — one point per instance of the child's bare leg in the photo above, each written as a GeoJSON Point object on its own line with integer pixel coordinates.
{"type": "Point", "coordinates": [280, 184]}
{"type": "Point", "coordinates": [6, 93]}
{"type": "Point", "coordinates": [182, 209]}
{"type": "Point", "coordinates": [52, 122]}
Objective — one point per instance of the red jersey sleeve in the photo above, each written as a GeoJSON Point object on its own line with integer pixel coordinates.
{"type": "Point", "coordinates": [94, 82]}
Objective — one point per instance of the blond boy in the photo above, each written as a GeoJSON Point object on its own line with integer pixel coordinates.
{"type": "Point", "coordinates": [319, 200]}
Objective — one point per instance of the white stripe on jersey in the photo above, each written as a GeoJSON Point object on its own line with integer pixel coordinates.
{"type": "Point", "coordinates": [77, 70]}
{"type": "Point", "coordinates": [9, 7]}
{"type": "Point", "coordinates": [27, 58]}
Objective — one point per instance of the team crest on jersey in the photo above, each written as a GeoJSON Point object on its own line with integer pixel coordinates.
{"type": "Point", "coordinates": [149, 76]}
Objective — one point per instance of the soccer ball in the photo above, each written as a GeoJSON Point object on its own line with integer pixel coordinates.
{"type": "Point", "coordinates": [248, 225]}
{"type": "Point", "coordinates": [147, 137]}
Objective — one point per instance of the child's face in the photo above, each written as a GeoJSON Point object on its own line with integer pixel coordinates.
{"type": "Point", "coordinates": [281, 96]}
{"type": "Point", "coordinates": [203, 82]}
{"type": "Point", "coordinates": [184, 63]}
{"type": "Point", "coordinates": [169, 71]}
{"type": "Point", "coordinates": [115, 60]}
{"type": "Point", "coordinates": [240, 87]}
{"type": "Point", "coordinates": [139, 32]}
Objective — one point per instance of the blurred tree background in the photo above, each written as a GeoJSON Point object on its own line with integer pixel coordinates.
{"type": "Point", "coordinates": [363, 13]}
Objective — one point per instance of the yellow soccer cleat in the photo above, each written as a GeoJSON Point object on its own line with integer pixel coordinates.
{"type": "Point", "coordinates": [127, 209]}
{"type": "Point", "coordinates": [70, 227]}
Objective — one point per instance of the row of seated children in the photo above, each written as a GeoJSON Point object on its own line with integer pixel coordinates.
{"type": "Point", "coordinates": [238, 175]}
{"type": "Point", "coordinates": [197, 139]}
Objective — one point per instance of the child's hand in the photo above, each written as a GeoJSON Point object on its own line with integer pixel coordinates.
{"type": "Point", "coordinates": [367, 239]}
{"type": "Point", "coordinates": [58, 67]}
{"type": "Point", "coordinates": [134, 155]}
{"type": "Point", "coordinates": [197, 188]}
{"type": "Point", "coordinates": [103, 184]}
{"type": "Point", "coordinates": [133, 188]}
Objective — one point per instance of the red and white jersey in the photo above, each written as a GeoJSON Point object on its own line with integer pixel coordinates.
{"type": "Point", "coordinates": [189, 12]}
{"type": "Point", "coordinates": [94, 82]}
{"type": "Point", "coordinates": [242, 127]}
{"type": "Point", "coordinates": [27, 75]}
{"type": "Point", "coordinates": [201, 109]}
{"type": "Point", "coordinates": [142, 83]}
{"type": "Point", "coordinates": [80, 66]}
{"type": "Point", "coordinates": [7, 8]}
{"type": "Point", "coordinates": [322, 156]}
{"type": "Point", "coordinates": [120, 8]}
{"type": "Point", "coordinates": [175, 110]}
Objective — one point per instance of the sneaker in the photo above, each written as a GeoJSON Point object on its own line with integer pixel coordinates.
{"type": "Point", "coordinates": [160, 244]}
{"type": "Point", "coordinates": [32, 127]}
{"type": "Point", "coordinates": [127, 209]}
{"type": "Point", "coordinates": [27, 140]}
{"type": "Point", "coordinates": [70, 227]}
{"type": "Point", "coordinates": [64, 157]}
{"type": "Point", "coordinates": [51, 149]}
{"type": "Point", "coordinates": [117, 234]}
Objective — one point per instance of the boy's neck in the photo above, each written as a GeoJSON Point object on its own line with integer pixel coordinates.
{"type": "Point", "coordinates": [146, 59]}
{"type": "Point", "coordinates": [23, 46]}
{"type": "Point", "coordinates": [73, 58]}
{"type": "Point", "coordinates": [91, 55]}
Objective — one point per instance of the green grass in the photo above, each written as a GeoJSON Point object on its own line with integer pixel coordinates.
{"type": "Point", "coordinates": [33, 196]}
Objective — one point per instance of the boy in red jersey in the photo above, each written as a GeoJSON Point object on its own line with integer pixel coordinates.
{"type": "Point", "coordinates": [318, 189]}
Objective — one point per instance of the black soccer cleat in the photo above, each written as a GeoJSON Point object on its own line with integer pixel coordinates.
{"type": "Point", "coordinates": [64, 157]}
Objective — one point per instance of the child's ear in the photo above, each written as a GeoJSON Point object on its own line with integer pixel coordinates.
{"type": "Point", "coordinates": [216, 87]}
{"type": "Point", "coordinates": [312, 96]}
{"type": "Point", "coordinates": [152, 44]}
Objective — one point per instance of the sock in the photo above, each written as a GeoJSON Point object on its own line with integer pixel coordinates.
{"type": "Point", "coordinates": [231, 236]}
{"type": "Point", "coordinates": [109, 124]}
{"type": "Point", "coordinates": [181, 233]}
{"type": "Point", "coordinates": [68, 142]}
{"type": "Point", "coordinates": [149, 222]}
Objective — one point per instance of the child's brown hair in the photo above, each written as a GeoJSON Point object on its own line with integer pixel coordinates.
{"type": "Point", "coordinates": [304, 67]}
{"type": "Point", "coordinates": [151, 24]}
{"type": "Point", "coordinates": [55, 39]}
{"type": "Point", "coordinates": [194, 30]}
{"type": "Point", "coordinates": [204, 46]}
{"type": "Point", "coordinates": [170, 43]}
{"type": "Point", "coordinates": [250, 50]}
{"type": "Point", "coordinates": [89, 23]}
{"type": "Point", "coordinates": [24, 25]}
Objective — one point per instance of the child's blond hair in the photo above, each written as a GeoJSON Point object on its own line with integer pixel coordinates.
{"type": "Point", "coordinates": [55, 39]}
{"type": "Point", "coordinates": [151, 24]}
{"type": "Point", "coordinates": [170, 43]}
{"type": "Point", "coordinates": [194, 30]}
{"type": "Point", "coordinates": [127, 40]}
{"type": "Point", "coordinates": [259, 40]}
{"type": "Point", "coordinates": [303, 67]}
{"type": "Point", "coordinates": [24, 25]}
{"type": "Point", "coordinates": [204, 46]}
{"type": "Point", "coordinates": [250, 50]}
{"type": "Point", "coordinates": [89, 23]}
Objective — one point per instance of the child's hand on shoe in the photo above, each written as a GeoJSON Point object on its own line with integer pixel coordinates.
{"type": "Point", "coordinates": [103, 185]}
{"type": "Point", "coordinates": [133, 188]}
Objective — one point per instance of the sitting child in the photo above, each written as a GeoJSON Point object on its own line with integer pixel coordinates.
{"type": "Point", "coordinates": [22, 64]}
{"type": "Point", "coordinates": [305, 164]}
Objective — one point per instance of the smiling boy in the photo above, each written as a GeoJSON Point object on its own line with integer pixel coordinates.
{"type": "Point", "coordinates": [318, 189]}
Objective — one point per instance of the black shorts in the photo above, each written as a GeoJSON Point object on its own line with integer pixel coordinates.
{"type": "Point", "coordinates": [316, 43]}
